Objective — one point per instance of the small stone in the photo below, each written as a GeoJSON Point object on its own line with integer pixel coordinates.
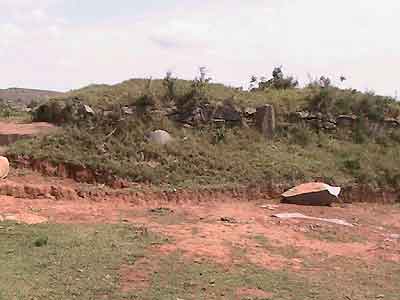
{"type": "Point", "coordinates": [160, 137]}
{"type": "Point", "coordinates": [228, 220]}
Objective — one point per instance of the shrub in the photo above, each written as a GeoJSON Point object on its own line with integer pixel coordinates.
{"type": "Point", "coordinates": [41, 241]}
{"type": "Point", "coordinates": [197, 94]}
{"type": "Point", "coordinates": [219, 135]}
{"type": "Point", "coordinates": [148, 99]}
{"type": "Point", "coordinates": [301, 135]}
{"type": "Point", "coordinates": [321, 100]}
{"type": "Point", "coordinates": [49, 112]}
{"type": "Point", "coordinates": [169, 84]}
{"type": "Point", "coordinates": [278, 81]}
{"type": "Point", "coordinates": [352, 165]}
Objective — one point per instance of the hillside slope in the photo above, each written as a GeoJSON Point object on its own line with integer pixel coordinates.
{"type": "Point", "coordinates": [114, 143]}
{"type": "Point", "coordinates": [21, 96]}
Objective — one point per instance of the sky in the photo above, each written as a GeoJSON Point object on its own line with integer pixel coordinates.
{"type": "Point", "coordinates": [67, 44]}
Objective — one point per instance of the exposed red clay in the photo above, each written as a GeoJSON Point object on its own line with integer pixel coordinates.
{"type": "Point", "coordinates": [197, 231]}
{"type": "Point", "coordinates": [244, 292]}
{"type": "Point", "coordinates": [26, 218]}
{"type": "Point", "coordinates": [137, 277]}
{"type": "Point", "coordinates": [26, 128]}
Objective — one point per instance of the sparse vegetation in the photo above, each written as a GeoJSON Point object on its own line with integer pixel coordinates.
{"type": "Point", "coordinates": [278, 81]}
{"type": "Point", "coordinates": [79, 261]}
{"type": "Point", "coordinates": [86, 262]}
{"type": "Point", "coordinates": [9, 112]}
{"type": "Point", "coordinates": [214, 154]}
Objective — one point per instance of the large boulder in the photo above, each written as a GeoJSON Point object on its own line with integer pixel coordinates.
{"type": "Point", "coordinates": [312, 193]}
{"type": "Point", "coordinates": [228, 112]}
{"type": "Point", "coordinates": [160, 137]}
{"type": "Point", "coordinates": [197, 115]}
{"type": "Point", "coordinates": [4, 167]}
{"type": "Point", "coordinates": [346, 120]}
{"type": "Point", "coordinates": [391, 123]}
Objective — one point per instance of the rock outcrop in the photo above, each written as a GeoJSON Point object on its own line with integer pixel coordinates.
{"type": "Point", "coordinates": [265, 120]}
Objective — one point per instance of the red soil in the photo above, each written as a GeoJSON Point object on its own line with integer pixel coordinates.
{"type": "Point", "coordinates": [249, 233]}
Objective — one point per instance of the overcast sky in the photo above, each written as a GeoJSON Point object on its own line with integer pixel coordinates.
{"type": "Point", "coordinates": [66, 44]}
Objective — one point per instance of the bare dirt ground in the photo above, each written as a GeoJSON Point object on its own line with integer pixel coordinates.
{"type": "Point", "coordinates": [215, 230]}
{"type": "Point", "coordinates": [25, 128]}
{"type": "Point", "coordinates": [11, 131]}
{"type": "Point", "coordinates": [228, 233]}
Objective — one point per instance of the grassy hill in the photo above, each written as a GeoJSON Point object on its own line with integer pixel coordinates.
{"type": "Point", "coordinates": [24, 97]}
{"type": "Point", "coordinates": [214, 155]}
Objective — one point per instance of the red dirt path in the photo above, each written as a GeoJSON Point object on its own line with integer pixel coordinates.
{"type": "Point", "coordinates": [25, 128]}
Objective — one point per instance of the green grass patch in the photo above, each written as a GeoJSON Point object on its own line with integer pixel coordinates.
{"type": "Point", "coordinates": [83, 262]}
{"type": "Point", "coordinates": [335, 236]}
{"type": "Point", "coordinates": [287, 251]}
{"type": "Point", "coordinates": [67, 261]}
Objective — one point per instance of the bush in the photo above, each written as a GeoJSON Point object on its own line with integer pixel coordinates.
{"type": "Point", "coordinates": [220, 135]}
{"type": "Point", "coordinates": [352, 165]}
{"type": "Point", "coordinates": [41, 241]}
{"type": "Point", "coordinates": [278, 81]}
{"type": "Point", "coordinates": [301, 135]}
{"type": "Point", "coordinates": [322, 100]}
{"type": "Point", "coordinates": [197, 94]}
{"type": "Point", "coordinates": [169, 84]}
{"type": "Point", "coordinates": [49, 112]}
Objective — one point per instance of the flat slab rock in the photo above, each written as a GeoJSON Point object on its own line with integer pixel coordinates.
{"type": "Point", "coordinates": [312, 193]}
{"type": "Point", "coordinates": [286, 216]}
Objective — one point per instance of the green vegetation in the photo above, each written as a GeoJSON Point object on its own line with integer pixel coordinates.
{"type": "Point", "coordinates": [85, 261]}
{"type": "Point", "coordinates": [9, 112]}
{"type": "Point", "coordinates": [211, 154]}
{"type": "Point", "coordinates": [67, 261]}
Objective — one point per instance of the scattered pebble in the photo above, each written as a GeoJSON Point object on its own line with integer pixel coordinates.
{"type": "Point", "coordinates": [228, 220]}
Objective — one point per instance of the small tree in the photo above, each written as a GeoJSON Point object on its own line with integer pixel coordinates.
{"type": "Point", "coordinates": [197, 94]}
{"type": "Point", "coordinates": [325, 82]}
{"type": "Point", "coordinates": [169, 84]}
{"type": "Point", "coordinates": [148, 99]}
{"type": "Point", "coordinates": [278, 81]}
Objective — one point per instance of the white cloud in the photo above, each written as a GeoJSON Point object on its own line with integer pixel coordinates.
{"type": "Point", "coordinates": [10, 33]}
{"type": "Point", "coordinates": [234, 39]}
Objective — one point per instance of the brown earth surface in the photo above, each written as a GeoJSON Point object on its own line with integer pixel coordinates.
{"type": "Point", "coordinates": [222, 230]}
{"type": "Point", "coordinates": [25, 128]}
{"type": "Point", "coordinates": [11, 132]}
